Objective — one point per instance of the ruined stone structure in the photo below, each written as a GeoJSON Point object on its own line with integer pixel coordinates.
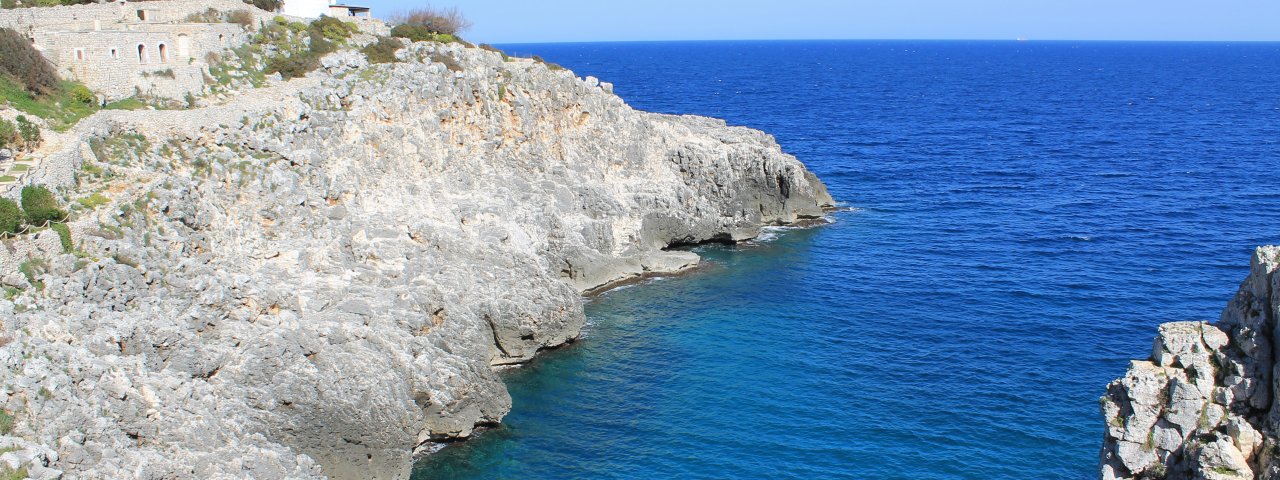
{"type": "Point", "coordinates": [121, 49]}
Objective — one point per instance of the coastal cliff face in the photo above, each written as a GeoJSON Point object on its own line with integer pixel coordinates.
{"type": "Point", "coordinates": [318, 278]}
{"type": "Point", "coordinates": [1203, 405]}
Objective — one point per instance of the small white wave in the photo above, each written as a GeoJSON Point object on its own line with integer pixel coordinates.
{"type": "Point", "coordinates": [771, 233]}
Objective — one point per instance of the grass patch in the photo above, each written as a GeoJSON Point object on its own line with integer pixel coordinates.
{"type": "Point", "coordinates": [60, 107]}
{"type": "Point", "coordinates": [19, 474]}
{"type": "Point", "coordinates": [130, 103]}
{"type": "Point", "coordinates": [32, 269]}
{"type": "Point", "coordinates": [64, 236]}
{"type": "Point", "coordinates": [6, 422]}
{"type": "Point", "coordinates": [94, 201]}
{"type": "Point", "coordinates": [18, 167]}
{"type": "Point", "coordinates": [7, 178]}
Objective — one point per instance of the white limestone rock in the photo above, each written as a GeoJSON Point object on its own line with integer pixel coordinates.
{"type": "Point", "coordinates": [1203, 402]}
{"type": "Point", "coordinates": [318, 278]}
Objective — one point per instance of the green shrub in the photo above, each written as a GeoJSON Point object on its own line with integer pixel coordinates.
{"type": "Point", "coordinates": [415, 33]}
{"type": "Point", "coordinates": [10, 216]}
{"type": "Point", "coordinates": [22, 61]}
{"type": "Point", "coordinates": [64, 235]}
{"type": "Point", "coordinates": [321, 45]}
{"type": "Point", "coordinates": [40, 205]}
{"type": "Point", "coordinates": [82, 94]}
{"type": "Point", "coordinates": [334, 29]}
{"type": "Point", "coordinates": [268, 5]}
{"type": "Point", "coordinates": [293, 66]}
{"type": "Point", "coordinates": [30, 132]}
{"type": "Point", "coordinates": [384, 51]}
{"type": "Point", "coordinates": [6, 422]}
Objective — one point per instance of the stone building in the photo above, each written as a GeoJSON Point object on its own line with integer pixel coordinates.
{"type": "Point", "coordinates": [120, 49]}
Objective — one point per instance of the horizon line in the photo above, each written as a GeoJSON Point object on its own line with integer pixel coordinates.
{"type": "Point", "coordinates": [1010, 40]}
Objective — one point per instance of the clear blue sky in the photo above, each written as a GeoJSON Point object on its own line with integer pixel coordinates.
{"type": "Point", "coordinates": [518, 21]}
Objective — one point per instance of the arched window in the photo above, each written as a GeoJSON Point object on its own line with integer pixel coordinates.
{"type": "Point", "coordinates": [164, 53]}
{"type": "Point", "coordinates": [79, 54]}
{"type": "Point", "coordinates": [142, 53]}
{"type": "Point", "coordinates": [221, 40]}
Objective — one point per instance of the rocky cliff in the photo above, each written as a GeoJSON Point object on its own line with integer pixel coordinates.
{"type": "Point", "coordinates": [319, 278]}
{"type": "Point", "coordinates": [1203, 405]}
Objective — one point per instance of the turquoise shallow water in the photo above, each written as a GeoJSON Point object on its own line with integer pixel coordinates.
{"type": "Point", "coordinates": [1025, 215]}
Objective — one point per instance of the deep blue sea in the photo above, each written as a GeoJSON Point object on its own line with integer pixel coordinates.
{"type": "Point", "coordinates": [1024, 214]}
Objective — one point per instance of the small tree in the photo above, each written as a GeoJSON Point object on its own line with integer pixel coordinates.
{"type": "Point", "coordinates": [448, 21]}
{"type": "Point", "coordinates": [40, 205]}
{"type": "Point", "coordinates": [29, 131]}
{"type": "Point", "coordinates": [10, 217]}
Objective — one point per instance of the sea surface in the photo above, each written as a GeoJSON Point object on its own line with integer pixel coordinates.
{"type": "Point", "coordinates": [1023, 215]}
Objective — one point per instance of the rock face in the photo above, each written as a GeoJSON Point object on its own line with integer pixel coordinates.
{"type": "Point", "coordinates": [1203, 407]}
{"type": "Point", "coordinates": [320, 277]}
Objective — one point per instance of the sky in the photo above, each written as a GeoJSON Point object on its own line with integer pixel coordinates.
{"type": "Point", "coordinates": [534, 21]}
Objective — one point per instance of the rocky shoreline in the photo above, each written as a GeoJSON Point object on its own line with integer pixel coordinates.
{"type": "Point", "coordinates": [320, 277]}
{"type": "Point", "coordinates": [1203, 405]}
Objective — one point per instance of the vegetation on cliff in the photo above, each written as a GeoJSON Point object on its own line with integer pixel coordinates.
{"type": "Point", "coordinates": [28, 82]}
{"type": "Point", "coordinates": [41, 3]}
{"type": "Point", "coordinates": [430, 25]}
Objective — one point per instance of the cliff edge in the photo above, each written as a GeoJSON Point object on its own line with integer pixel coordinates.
{"type": "Point", "coordinates": [318, 278]}
{"type": "Point", "coordinates": [1203, 405]}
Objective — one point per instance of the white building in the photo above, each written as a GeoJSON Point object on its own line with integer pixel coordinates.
{"type": "Point", "coordinates": [316, 8]}
{"type": "Point", "coordinates": [306, 8]}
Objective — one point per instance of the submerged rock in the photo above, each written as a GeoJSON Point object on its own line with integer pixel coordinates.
{"type": "Point", "coordinates": [319, 278]}
{"type": "Point", "coordinates": [1201, 407]}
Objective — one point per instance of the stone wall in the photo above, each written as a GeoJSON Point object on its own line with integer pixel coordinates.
{"type": "Point", "coordinates": [121, 63]}
{"type": "Point", "coordinates": [116, 49]}
{"type": "Point", "coordinates": [101, 15]}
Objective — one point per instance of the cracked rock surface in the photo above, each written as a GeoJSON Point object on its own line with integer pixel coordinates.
{"type": "Point", "coordinates": [1203, 405]}
{"type": "Point", "coordinates": [319, 278]}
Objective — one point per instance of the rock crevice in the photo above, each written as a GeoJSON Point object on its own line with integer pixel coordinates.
{"type": "Point", "coordinates": [1203, 405]}
{"type": "Point", "coordinates": [320, 278]}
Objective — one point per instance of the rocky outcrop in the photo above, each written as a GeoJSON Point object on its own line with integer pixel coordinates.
{"type": "Point", "coordinates": [1202, 406]}
{"type": "Point", "coordinates": [319, 278]}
